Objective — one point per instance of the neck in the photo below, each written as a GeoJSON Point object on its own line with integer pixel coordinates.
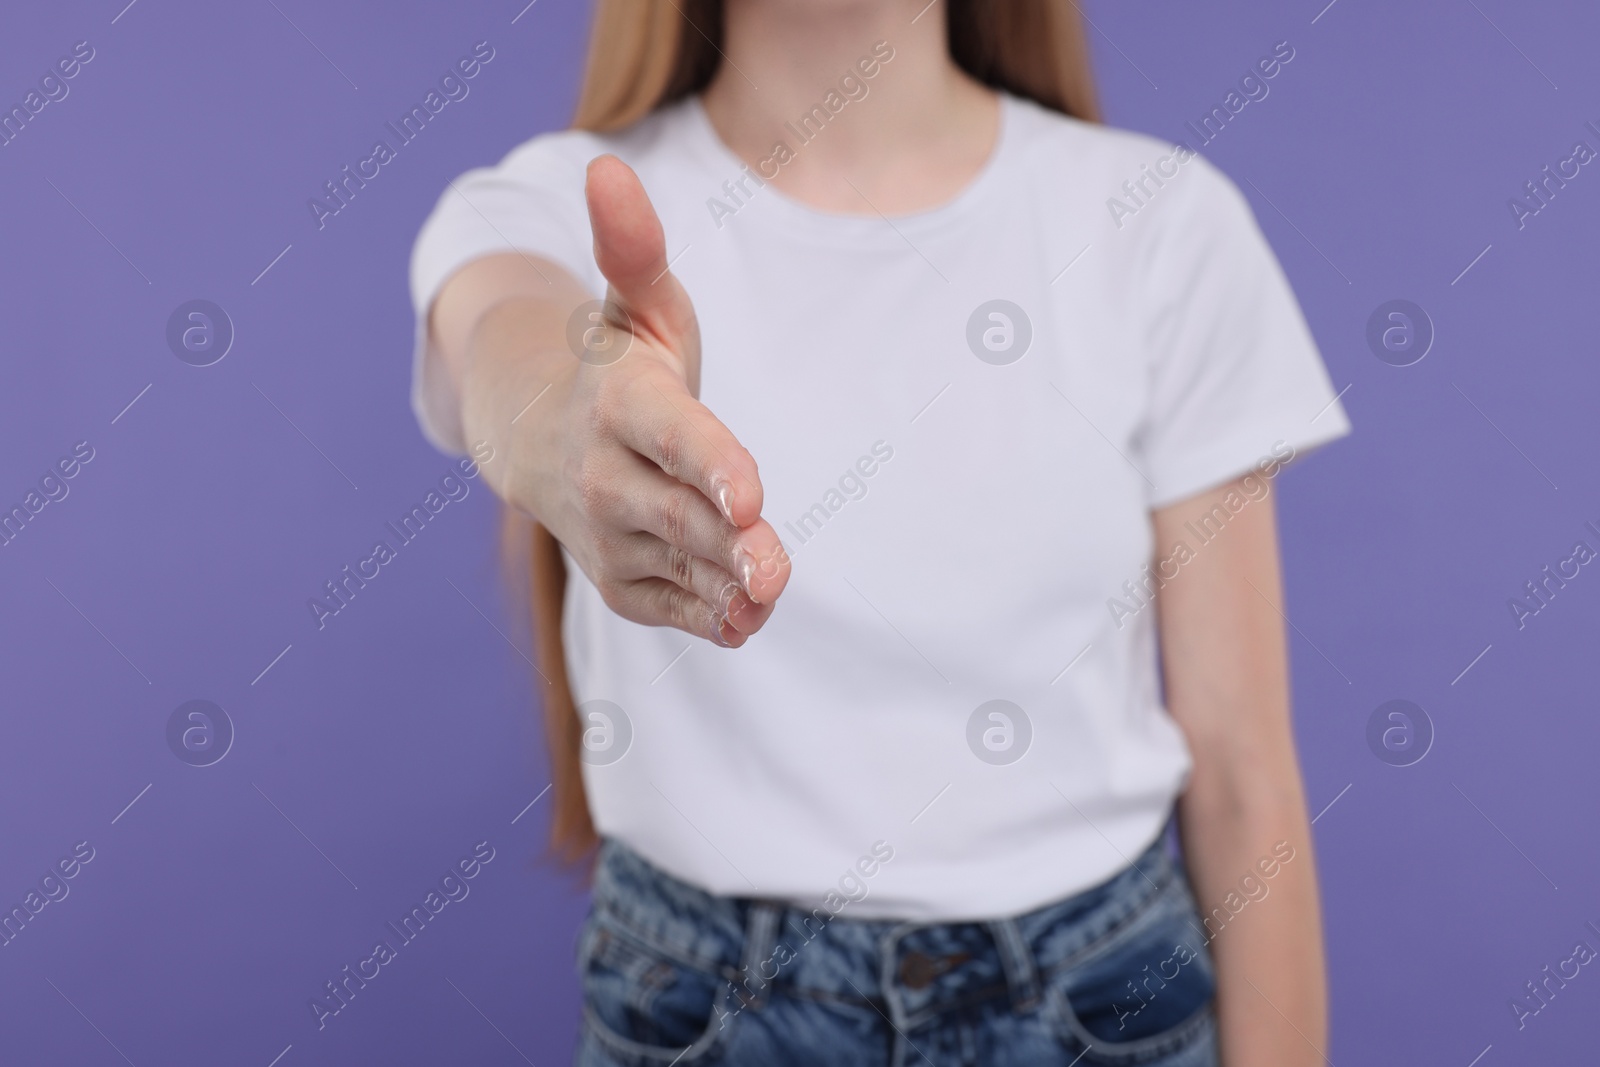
{"type": "Point", "coordinates": [902, 138]}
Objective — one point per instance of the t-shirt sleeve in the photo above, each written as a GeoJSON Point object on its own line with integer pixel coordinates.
{"type": "Point", "coordinates": [1234, 372]}
{"type": "Point", "coordinates": [531, 202]}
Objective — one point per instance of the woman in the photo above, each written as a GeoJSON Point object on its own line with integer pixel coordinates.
{"type": "Point", "coordinates": [873, 736]}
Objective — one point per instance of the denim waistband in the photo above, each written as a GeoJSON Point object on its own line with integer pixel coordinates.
{"type": "Point", "coordinates": [914, 969]}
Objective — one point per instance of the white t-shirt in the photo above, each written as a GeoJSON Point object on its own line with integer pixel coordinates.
{"type": "Point", "coordinates": [964, 487]}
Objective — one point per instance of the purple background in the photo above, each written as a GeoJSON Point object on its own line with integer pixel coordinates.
{"type": "Point", "coordinates": [394, 739]}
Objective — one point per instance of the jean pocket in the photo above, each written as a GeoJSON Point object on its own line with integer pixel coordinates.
{"type": "Point", "coordinates": [647, 1007]}
{"type": "Point", "coordinates": [1146, 995]}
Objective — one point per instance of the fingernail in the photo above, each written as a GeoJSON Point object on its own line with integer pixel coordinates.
{"type": "Point", "coordinates": [725, 598]}
{"type": "Point", "coordinates": [720, 634]}
{"type": "Point", "coordinates": [725, 500]}
{"type": "Point", "coordinates": [747, 574]}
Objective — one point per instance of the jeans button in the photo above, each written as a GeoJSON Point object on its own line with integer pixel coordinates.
{"type": "Point", "coordinates": [917, 971]}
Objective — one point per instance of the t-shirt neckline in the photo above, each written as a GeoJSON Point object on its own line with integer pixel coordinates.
{"type": "Point", "coordinates": [797, 216]}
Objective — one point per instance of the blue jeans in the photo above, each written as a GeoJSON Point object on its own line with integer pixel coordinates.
{"type": "Point", "coordinates": [1116, 975]}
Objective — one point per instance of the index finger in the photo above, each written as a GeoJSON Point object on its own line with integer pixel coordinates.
{"type": "Point", "coordinates": [680, 435]}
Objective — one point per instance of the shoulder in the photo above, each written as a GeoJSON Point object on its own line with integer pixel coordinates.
{"type": "Point", "coordinates": [1172, 188]}
{"type": "Point", "coordinates": [1047, 135]}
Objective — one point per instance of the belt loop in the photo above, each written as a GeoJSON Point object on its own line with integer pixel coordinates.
{"type": "Point", "coordinates": [1021, 975]}
{"type": "Point", "coordinates": [760, 944]}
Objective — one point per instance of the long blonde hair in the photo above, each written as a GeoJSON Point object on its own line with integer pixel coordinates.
{"type": "Point", "coordinates": [644, 54]}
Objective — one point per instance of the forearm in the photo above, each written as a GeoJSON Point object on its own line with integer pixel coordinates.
{"type": "Point", "coordinates": [1249, 855]}
{"type": "Point", "coordinates": [513, 384]}
{"type": "Point", "coordinates": [499, 329]}
{"type": "Point", "coordinates": [1227, 684]}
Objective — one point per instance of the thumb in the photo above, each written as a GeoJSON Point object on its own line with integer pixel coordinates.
{"type": "Point", "coordinates": [630, 250]}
